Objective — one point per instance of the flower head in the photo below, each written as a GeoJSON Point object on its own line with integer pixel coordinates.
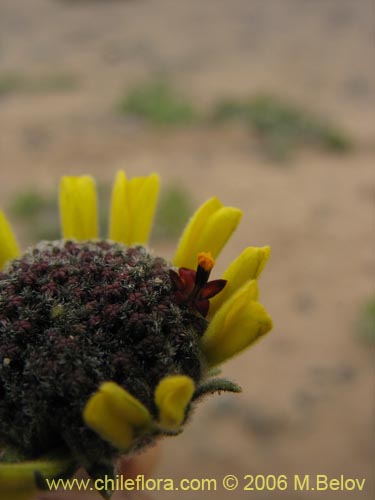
{"type": "Point", "coordinates": [105, 347]}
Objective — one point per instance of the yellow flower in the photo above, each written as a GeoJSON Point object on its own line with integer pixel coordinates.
{"type": "Point", "coordinates": [226, 309]}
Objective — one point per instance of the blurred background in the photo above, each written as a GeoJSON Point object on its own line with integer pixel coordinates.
{"type": "Point", "coordinates": [268, 105]}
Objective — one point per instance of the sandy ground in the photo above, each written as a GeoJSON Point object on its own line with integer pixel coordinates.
{"type": "Point", "coordinates": [307, 402]}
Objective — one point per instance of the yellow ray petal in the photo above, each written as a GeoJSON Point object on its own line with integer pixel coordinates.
{"type": "Point", "coordinates": [238, 323]}
{"type": "Point", "coordinates": [107, 422]}
{"type": "Point", "coordinates": [119, 221]}
{"type": "Point", "coordinates": [115, 415]}
{"type": "Point", "coordinates": [186, 254]}
{"type": "Point", "coordinates": [17, 480]}
{"type": "Point", "coordinates": [143, 195]}
{"type": "Point", "coordinates": [78, 208]}
{"type": "Point", "coordinates": [132, 208]}
{"type": "Point", "coordinates": [246, 267]}
{"type": "Point", "coordinates": [207, 231]}
{"type": "Point", "coordinates": [8, 245]}
{"type": "Point", "coordinates": [133, 410]}
{"type": "Point", "coordinates": [218, 230]}
{"type": "Point", "coordinates": [172, 396]}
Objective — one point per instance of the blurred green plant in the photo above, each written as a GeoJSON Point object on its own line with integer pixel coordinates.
{"type": "Point", "coordinates": [10, 83]}
{"type": "Point", "coordinates": [17, 83]}
{"type": "Point", "coordinates": [38, 214]}
{"type": "Point", "coordinates": [281, 126]}
{"type": "Point", "coordinates": [367, 321]}
{"type": "Point", "coordinates": [28, 204]}
{"type": "Point", "coordinates": [47, 231]}
{"type": "Point", "coordinates": [54, 82]}
{"type": "Point", "coordinates": [174, 209]}
{"type": "Point", "coordinates": [158, 103]}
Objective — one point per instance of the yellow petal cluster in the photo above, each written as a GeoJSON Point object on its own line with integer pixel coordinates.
{"type": "Point", "coordinates": [132, 208]}
{"type": "Point", "coordinates": [119, 417]}
{"type": "Point", "coordinates": [116, 415]}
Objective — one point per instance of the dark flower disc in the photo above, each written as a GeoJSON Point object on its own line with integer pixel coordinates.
{"type": "Point", "coordinates": [74, 315]}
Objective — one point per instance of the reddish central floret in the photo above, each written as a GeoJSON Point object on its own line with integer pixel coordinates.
{"type": "Point", "coordinates": [192, 287]}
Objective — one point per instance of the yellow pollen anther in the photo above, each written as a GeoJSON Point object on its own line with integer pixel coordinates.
{"type": "Point", "coordinates": [206, 261]}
